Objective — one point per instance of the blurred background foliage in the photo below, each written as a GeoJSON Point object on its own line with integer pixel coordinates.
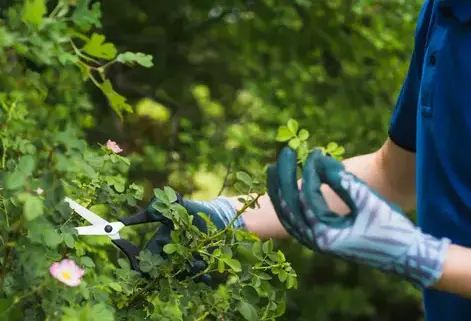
{"type": "Point", "coordinates": [226, 75]}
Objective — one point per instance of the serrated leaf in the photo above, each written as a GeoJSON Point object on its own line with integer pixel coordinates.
{"type": "Point", "coordinates": [284, 134]}
{"type": "Point", "coordinates": [220, 266]}
{"type": "Point", "coordinates": [124, 264]}
{"type": "Point", "coordinates": [233, 264]}
{"type": "Point", "coordinates": [84, 17]}
{"type": "Point", "coordinates": [14, 180]}
{"type": "Point", "coordinates": [294, 143]}
{"type": "Point", "coordinates": [170, 248]}
{"type": "Point", "coordinates": [170, 194]}
{"type": "Point", "coordinates": [282, 276]}
{"type": "Point", "coordinates": [293, 126]}
{"type": "Point", "coordinates": [118, 102]}
{"type": "Point", "coordinates": [267, 246]}
{"type": "Point", "coordinates": [131, 58]}
{"type": "Point", "coordinates": [26, 164]}
{"type": "Point", "coordinates": [264, 276]}
{"type": "Point", "coordinates": [290, 282]}
{"type": "Point", "coordinates": [69, 240]}
{"type": "Point", "coordinates": [97, 47]}
{"type": "Point", "coordinates": [244, 177]}
{"type": "Point", "coordinates": [303, 134]}
{"type": "Point", "coordinates": [248, 311]}
{"type": "Point", "coordinates": [86, 261]}
{"type": "Point", "coordinates": [33, 11]}
{"type": "Point", "coordinates": [115, 286]}
{"type": "Point", "coordinates": [33, 207]}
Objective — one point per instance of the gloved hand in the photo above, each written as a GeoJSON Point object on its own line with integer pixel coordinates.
{"type": "Point", "coordinates": [220, 211]}
{"type": "Point", "coordinates": [375, 232]}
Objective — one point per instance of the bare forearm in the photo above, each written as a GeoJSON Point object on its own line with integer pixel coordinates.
{"type": "Point", "coordinates": [456, 277]}
{"type": "Point", "coordinates": [264, 222]}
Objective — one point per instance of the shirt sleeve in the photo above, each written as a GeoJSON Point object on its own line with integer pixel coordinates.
{"type": "Point", "coordinates": [403, 127]}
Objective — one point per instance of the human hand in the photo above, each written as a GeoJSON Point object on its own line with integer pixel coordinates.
{"type": "Point", "coordinates": [220, 211]}
{"type": "Point", "coordinates": [375, 232]}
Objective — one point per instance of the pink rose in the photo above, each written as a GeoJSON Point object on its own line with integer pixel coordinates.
{"type": "Point", "coordinates": [67, 271]}
{"type": "Point", "coordinates": [113, 146]}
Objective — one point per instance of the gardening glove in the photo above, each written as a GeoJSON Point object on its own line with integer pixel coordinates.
{"type": "Point", "coordinates": [375, 233]}
{"type": "Point", "coordinates": [220, 211]}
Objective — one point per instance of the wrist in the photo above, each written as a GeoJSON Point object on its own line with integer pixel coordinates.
{"type": "Point", "coordinates": [456, 271]}
{"type": "Point", "coordinates": [221, 211]}
{"type": "Point", "coordinates": [424, 262]}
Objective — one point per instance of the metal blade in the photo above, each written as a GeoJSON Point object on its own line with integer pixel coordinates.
{"type": "Point", "coordinates": [86, 213]}
{"type": "Point", "coordinates": [110, 229]}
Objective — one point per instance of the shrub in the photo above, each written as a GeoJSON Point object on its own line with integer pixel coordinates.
{"type": "Point", "coordinates": [48, 57]}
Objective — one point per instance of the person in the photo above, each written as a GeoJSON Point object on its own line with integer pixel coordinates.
{"type": "Point", "coordinates": [355, 209]}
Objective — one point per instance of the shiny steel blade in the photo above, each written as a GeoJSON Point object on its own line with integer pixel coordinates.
{"type": "Point", "coordinates": [110, 229]}
{"type": "Point", "coordinates": [86, 213]}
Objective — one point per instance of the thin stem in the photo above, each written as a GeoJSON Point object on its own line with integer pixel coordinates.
{"type": "Point", "coordinates": [144, 289]}
{"type": "Point", "coordinates": [224, 230]}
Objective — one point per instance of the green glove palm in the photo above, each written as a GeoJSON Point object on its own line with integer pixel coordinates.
{"type": "Point", "coordinates": [375, 232]}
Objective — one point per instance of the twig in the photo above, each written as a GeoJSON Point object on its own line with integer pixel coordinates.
{"type": "Point", "coordinates": [228, 172]}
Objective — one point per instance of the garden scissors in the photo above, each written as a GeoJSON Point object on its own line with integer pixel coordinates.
{"type": "Point", "coordinates": [100, 226]}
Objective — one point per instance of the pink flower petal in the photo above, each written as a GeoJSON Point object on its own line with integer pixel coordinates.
{"type": "Point", "coordinates": [113, 146]}
{"type": "Point", "coordinates": [67, 272]}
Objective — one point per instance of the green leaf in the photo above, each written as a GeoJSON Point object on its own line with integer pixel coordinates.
{"type": "Point", "coordinates": [284, 134]}
{"type": "Point", "coordinates": [264, 276]}
{"type": "Point", "coordinates": [282, 276]}
{"type": "Point", "coordinates": [131, 58]}
{"type": "Point", "coordinates": [33, 11]}
{"type": "Point", "coordinates": [294, 143]}
{"type": "Point", "coordinates": [51, 238]}
{"type": "Point", "coordinates": [68, 240]}
{"type": "Point", "coordinates": [248, 311]}
{"type": "Point", "coordinates": [101, 312]}
{"type": "Point", "coordinates": [124, 264]}
{"type": "Point", "coordinates": [244, 177]}
{"type": "Point", "coordinates": [293, 126]}
{"type": "Point", "coordinates": [115, 286]}
{"type": "Point", "coordinates": [33, 207]}
{"type": "Point", "coordinates": [97, 47]}
{"type": "Point", "coordinates": [14, 180]}
{"type": "Point", "coordinates": [291, 281]}
{"type": "Point", "coordinates": [250, 294]}
{"type": "Point", "coordinates": [118, 102]}
{"type": "Point", "coordinates": [257, 250]}
{"type": "Point", "coordinates": [267, 246]}
{"type": "Point", "coordinates": [83, 17]}
{"type": "Point", "coordinates": [221, 266]}
{"type": "Point", "coordinates": [170, 194]}
{"type": "Point", "coordinates": [86, 261]}
{"type": "Point", "coordinates": [303, 134]}
{"type": "Point", "coordinates": [170, 248]}
{"type": "Point", "coordinates": [233, 263]}
{"type": "Point", "coordinates": [26, 165]}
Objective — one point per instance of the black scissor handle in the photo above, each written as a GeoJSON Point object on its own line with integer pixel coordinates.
{"type": "Point", "coordinates": [131, 251]}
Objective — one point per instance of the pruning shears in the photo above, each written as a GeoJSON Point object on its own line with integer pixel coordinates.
{"type": "Point", "coordinates": [100, 226]}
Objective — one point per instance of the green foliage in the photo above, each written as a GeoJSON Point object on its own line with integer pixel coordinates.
{"type": "Point", "coordinates": [45, 155]}
{"type": "Point", "coordinates": [207, 107]}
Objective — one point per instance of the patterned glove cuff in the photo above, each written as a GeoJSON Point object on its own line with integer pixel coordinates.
{"type": "Point", "coordinates": [220, 210]}
{"type": "Point", "coordinates": [423, 264]}
{"type": "Point", "coordinates": [227, 211]}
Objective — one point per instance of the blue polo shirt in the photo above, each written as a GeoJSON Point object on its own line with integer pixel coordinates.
{"type": "Point", "coordinates": [433, 119]}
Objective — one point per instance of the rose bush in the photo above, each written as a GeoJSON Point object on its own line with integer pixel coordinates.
{"type": "Point", "coordinates": [49, 54]}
